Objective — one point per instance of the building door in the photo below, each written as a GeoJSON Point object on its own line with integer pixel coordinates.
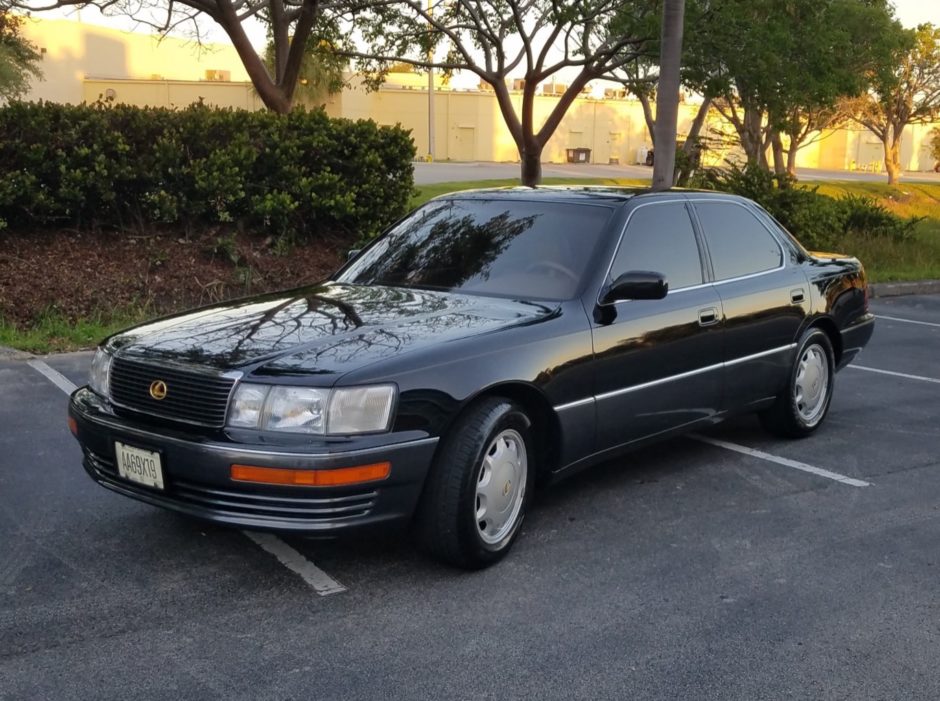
{"type": "Point", "coordinates": [615, 145]}
{"type": "Point", "coordinates": [465, 144]}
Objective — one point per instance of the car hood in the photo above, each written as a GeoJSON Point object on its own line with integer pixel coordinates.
{"type": "Point", "coordinates": [327, 329]}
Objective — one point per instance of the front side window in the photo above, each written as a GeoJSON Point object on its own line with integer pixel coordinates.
{"type": "Point", "coordinates": [737, 241]}
{"type": "Point", "coordinates": [659, 238]}
{"type": "Point", "coordinates": [503, 248]}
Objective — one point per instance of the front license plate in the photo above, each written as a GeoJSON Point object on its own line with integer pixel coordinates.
{"type": "Point", "coordinates": [137, 465]}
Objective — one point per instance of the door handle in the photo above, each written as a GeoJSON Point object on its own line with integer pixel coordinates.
{"type": "Point", "coordinates": [797, 296]}
{"type": "Point", "coordinates": [707, 317]}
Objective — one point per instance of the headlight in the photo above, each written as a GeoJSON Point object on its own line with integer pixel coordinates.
{"type": "Point", "coordinates": [247, 405]}
{"type": "Point", "coordinates": [311, 410]}
{"type": "Point", "coordinates": [361, 409]}
{"type": "Point", "coordinates": [296, 409]}
{"type": "Point", "coordinates": [99, 379]}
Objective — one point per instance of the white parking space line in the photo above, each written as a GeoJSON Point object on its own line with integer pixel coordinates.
{"type": "Point", "coordinates": [54, 376]}
{"type": "Point", "coordinates": [920, 378]}
{"type": "Point", "coordinates": [907, 321]}
{"type": "Point", "coordinates": [322, 583]}
{"type": "Point", "coordinates": [795, 464]}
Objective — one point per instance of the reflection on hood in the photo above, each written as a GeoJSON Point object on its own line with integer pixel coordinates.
{"type": "Point", "coordinates": [331, 328]}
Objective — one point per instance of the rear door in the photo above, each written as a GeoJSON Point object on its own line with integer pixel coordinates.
{"type": "Point", "coordinates": [764, 295]}
{"type": "Point", "coordinates": [658, 362]}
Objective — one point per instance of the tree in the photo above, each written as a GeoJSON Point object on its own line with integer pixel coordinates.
{"type": "Point", "coordinates": [907, 92]}
{"type": "Point", "coordinates": [500, 39]}
{"type": "Point", "coordinates": [19, 59]}
{"type": "Point", "coordinates": [291, 23]}
{"type": "Point", "coordinates": [839, 45]}
{"type": "Point", "coordinates": [667, 99]}
{"type": "Point", "coordinates": [780, 68]}
{"type": "Point", "coordinates": [935, 147]}
{"type": "Point", "coordinates": [321, 70]}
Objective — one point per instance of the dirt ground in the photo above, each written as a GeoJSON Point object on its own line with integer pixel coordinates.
{"type": "Point", "coordinates": [76, 274]}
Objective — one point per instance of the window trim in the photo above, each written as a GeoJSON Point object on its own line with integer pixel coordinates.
{"type": "Point", "coordinates": [699, 242]}
{"type": "Point", "coordinates": [759, 220]}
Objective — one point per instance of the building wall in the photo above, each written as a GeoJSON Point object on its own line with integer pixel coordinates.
{"type": "Point", "coordinates": [84, 62]}
{"type": "Point", "coordinates": [75, 52]}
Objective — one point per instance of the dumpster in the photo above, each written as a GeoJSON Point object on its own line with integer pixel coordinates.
{"type": "Point", "coordinates": [578, 155]}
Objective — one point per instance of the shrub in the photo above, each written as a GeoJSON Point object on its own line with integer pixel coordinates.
{"type": "Point", "coordinates": [116, 166]}
{"type": "Point", "coordinates": [867, 217]}
{"type": "Point", "coordinates": [819, 221]}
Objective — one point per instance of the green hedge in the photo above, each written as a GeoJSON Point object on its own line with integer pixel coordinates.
{"type": "Point", "coordinates": [302, 174]}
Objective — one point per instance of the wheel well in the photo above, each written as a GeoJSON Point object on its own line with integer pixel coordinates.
{"type": "Point", "coordinates": [545, 423]}
{"type": "Point", "coordinates": [832, 331]}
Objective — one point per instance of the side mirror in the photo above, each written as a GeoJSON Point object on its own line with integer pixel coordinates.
{"type": "Point", "coordinates": [636, 284]}
{"type": "Point", "coordinates": [352, 253]}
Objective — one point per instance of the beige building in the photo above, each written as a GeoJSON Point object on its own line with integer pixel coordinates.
{"type": "Point", "coordinates": [84, 63]}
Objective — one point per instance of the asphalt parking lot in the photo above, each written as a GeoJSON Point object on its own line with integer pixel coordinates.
{"type": "Point", "coordinates": [741, 568]}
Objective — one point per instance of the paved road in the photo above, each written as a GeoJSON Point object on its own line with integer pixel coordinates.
{"type": "Point", "coordinates": [684, 571]}
{"type": "Point", "coordinates": [427, 173]}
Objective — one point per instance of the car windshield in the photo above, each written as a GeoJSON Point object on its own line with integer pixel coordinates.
{"type": "Point", "coordinates": [504, 248]}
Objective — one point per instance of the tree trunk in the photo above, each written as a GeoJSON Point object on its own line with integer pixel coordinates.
{"type": "Point", "coordinates": [269, 92]}
{"type": "Point", "coordinates": [667, 95]}
{"type": "Point", "coordinates": [693, 146]}
{"type": "Point", "coordinates": [531, 156]}
{"type": "Point", "coordinates": [752, 137]}
{"type": "Point", "coordinates": [892, 144]}
{"type": "Point", "coordinates": [780, 165]}
{"type": "Point", "coordinates": [791, 157]}
{"type": "Point", "coordinates": [648, 117]}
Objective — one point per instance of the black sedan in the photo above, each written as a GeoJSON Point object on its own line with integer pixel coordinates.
{"type": "Point", "coordinates": [490, 340]}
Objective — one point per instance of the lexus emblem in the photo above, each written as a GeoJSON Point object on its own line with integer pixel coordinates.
{"type": "Point", "coordinates": [158, 389]}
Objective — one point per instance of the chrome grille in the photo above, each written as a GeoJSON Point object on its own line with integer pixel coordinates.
{"type": "Point", "coordinates": [192, 397]}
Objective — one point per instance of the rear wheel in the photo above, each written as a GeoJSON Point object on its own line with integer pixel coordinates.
{"type": "Point", "coordinates": [803, 406]}
{"type": "Point", "coordinates": [479, 486]}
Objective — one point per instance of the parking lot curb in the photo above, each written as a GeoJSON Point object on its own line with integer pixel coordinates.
{"type": "Point", "coordinates": [897, 289]}
{"type": "Point", "coordinates": [7, 353]}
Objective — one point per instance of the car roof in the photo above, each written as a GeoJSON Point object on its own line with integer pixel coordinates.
{"type": "Point", "coordinates": [592, 194]}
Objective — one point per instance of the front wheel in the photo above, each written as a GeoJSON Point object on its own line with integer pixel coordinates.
{"type": "Point", "coordinates": [803, 405]}
{"type": "Point", "coordinates": [479, 486]}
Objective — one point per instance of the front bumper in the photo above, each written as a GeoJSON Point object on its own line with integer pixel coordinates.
{"type": "Point", "coordinates": [196, 474]}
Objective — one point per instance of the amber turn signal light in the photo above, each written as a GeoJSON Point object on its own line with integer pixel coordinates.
{"type": "Point", "coordinates": [73, 426]}
{"type": "Point", "coordinates": [312, 478]}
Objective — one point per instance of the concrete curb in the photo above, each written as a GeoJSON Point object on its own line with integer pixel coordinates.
{"type": "Point", "coordinates": [897, 289]}
{"type": "Point", "coordinates": [7, 353]}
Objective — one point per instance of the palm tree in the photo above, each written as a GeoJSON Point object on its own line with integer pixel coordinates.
{"type": "Point", "coordinates": [667, 94]}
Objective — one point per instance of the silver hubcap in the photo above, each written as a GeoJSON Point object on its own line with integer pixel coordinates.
{"type": "Point", "coordinates": [501, 486]}
{"type": "Point", "coordinates": [811, 386]}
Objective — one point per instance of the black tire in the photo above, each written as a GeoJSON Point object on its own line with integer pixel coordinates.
{"type": "Point", "coordinates": [787, 417]}
{"type": "Point", "coordinates": [446, 520]}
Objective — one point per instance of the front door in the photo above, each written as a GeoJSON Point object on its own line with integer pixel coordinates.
{"type": "Point", "coordinates": [658, 362]}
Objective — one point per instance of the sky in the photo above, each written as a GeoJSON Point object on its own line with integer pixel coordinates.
{"type": "Point", "coordinates": [910, 12]}
{"type": "Point", "coordinates": [914, 12]}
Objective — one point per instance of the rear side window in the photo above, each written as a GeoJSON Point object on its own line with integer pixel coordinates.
{"type": "Point", "coordinates": [737, 241]}
{"type": "Point", "coordinates": [660, 238]}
